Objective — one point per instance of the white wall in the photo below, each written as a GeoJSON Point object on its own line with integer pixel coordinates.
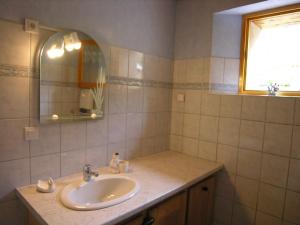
{"type": "Point", "coordinates": [143, 25]}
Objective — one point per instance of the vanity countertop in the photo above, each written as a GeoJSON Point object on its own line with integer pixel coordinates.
{"type": "Point", "coordinates": [160, 176]}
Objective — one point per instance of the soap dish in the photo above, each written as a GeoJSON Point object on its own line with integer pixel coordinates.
{"type": "Point", "coordinates": [45, 186]}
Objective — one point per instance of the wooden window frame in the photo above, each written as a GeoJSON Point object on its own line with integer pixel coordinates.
{"type": "Point", "coordinates": [244, 46]}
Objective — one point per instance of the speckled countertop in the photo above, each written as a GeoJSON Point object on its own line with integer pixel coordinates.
{"type": "Point", "coordinates": [160, 176]}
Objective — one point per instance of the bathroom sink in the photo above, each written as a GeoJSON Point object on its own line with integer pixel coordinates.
{"type": "Point", "coordinates": [101, 192]}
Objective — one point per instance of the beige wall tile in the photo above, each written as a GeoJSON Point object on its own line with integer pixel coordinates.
{"type": "Point", "coordinates": [150, 103]}
{"type": "Point", "coordinates": [72, 162]}
{"type": "Point", "coordinates": [210, 104]}
{"type": "Point", "coordinates": [148, 146]}
{"type": "Point", "coordinates": [296, 142]}
{"type": "Point", "coordinates": [117, 98]}
{"type": "Point", "coordinates": [133, 148]}
{"type": "Point", "coordinates": [190, 146]}
{"type": "Point", "coordinates": [265, 219]}
{"type": "Point", "coordinates": [277, 139]}
{"type": "Point", "coordinates": [97, 156]}
{"type": "Point", "coordinates": [149, 128]}
{"type": "Point", "coordinates": [13, 174]}
{"type": "Point", "coordinates": [14, 45]}
{"type": "Point", "coordinates": [271, 200]}
{"type": "Point", "coordinates": [229, 131]}
{"type": "Point", "coordinates": [292, 205]}
{"type": "Point", "coordinates": [14, 97]}
{"type": "Point", "coordinates": [246, 191]}
{"type": "Point", "coordinates": [191, 125]}
{"type": "Point", "coordinates": [192, 101]}
{"type": "Point", "coordinates": [231, 106]}
{"type": "Point", "coordinates": [280, 110]}
{"type": "Point", "coordinates": [48, 142]}
{"type": "Point", "coordinates": [134, 125]}
{"type": "Point", "coordinates": [195, 70]}
{"type": "Point", "coordinates": [176, 123]}
{"type": "Point", "coordinates": [251, 135]}
{"type": "Point", "coordinates": [217, 70]}
{"type": "Point", "coordinates": [12, 143]}
{"type": "Point", "coordinates": [242, 215]}
{"type": "Point", "coordinates": [134, 99]}
{"type": "Point", "coordinates": [177, 106]}
{"type": "Point", "coordinates": [254, 108]}
{"type": "Point", "coordinates": [165, 70]}
{"type": "Point", "coordinates": [175, 143]}
{"type": "Point", "coordinates": [231, 71]}
{"type": "Point", "coordinates": [119, 62]}
{"type": "Point", "coordinates": [96, 132]}
{"type": "Point", "coordinates": [228, 156]}
{"type": "Point", "coordinates": [151, 67]}
{"type": "Point", "coordinates": [274, 170]}
{"type": "Point", "coordinates": [207, 150]}
{"type": "Point", "coordinates": [116, 128]}
{"type": "Point", "coordinates": [179, 75]}
{"type": "Point", "coordinates": [294, 175]}
{"type": "Point", "coordinates": [73, 136]}
{"type": "Point", "coordinates": [249, 164]}
{"type": "Point", "coordinates": [43, 167]}
{"type": "Point", "coordinates": [35, 93]}
{"type": "Point", "coordinates": [136, 64]}
{"type": "Point", "coordinates": [163, 98]}
{"type": "Point", "coordinates": [163, 123]}
{"type": "Point", "coordinates": [209, 128]}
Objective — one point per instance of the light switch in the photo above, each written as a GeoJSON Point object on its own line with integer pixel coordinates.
{"type": "Point", "coordinates": [31, 133]}
{"type": "Point", "coordinates": [180, 97]}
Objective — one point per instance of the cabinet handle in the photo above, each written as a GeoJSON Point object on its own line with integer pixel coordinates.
{"type": "Point", "coordinates": [148, 221]}
{"type": "Point", "coordinates": [204, 188]}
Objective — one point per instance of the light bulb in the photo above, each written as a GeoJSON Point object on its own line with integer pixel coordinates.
{"type": "Point", "coordinates": [69, 47]}
{"type": "Point", "coordinates": [56, 51]}
{"type": "Point", "coordinates": [77, 45]}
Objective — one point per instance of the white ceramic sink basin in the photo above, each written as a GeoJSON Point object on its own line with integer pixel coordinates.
{"type": "Point", "coordinates": [102, 192]}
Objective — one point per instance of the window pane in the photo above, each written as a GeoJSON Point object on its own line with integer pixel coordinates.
{"type": "Point", "coordinates": [273, 56]}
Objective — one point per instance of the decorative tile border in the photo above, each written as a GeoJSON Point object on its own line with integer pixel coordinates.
{"type": "Point", "coordinates": [14, 70]}
{"type": "Point", "coordinates": [22, 71]}
{"type": "Point", "coordinates": [137, 82]}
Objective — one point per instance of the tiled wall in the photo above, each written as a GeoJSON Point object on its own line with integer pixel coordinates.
{"type": "Point", "coordinates": [136, 121]}
{"type": "Point", "coordinates": [256, 137]}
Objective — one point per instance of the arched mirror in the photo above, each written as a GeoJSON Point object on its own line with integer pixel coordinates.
{"type": "Point", "coordinates": [72, 78]}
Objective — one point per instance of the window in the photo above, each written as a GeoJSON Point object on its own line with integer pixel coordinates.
{"type": "Point", "coordinates": [270, 51]}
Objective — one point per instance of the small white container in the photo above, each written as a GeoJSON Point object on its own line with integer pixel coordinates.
{"type": "Point", "coordinates": [123, 166]}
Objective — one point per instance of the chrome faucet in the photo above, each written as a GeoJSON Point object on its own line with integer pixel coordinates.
{"type": "Point", "coordinates": [88, 173]}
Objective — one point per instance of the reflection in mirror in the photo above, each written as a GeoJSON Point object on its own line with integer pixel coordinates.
{"type": "Point", "coordinates": [72, 78]}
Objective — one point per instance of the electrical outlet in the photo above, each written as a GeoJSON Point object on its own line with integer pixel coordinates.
{"type": "Point", "coordinates": [31, 26]}
{"type": "Point", "coordinates": [180, 97]}
{"type": "Point", "coordinates": [31, 133]}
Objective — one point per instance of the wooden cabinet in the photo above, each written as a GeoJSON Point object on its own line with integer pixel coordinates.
{"type": "Point", "coordinates": [200, 203]}
{"type": "Point", "coordinates": [191, 207]}
{"type": "Point", "coordinates": [170, 212]}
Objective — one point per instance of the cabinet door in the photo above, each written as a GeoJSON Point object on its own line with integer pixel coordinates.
{"type": "Point", "coordinates": [137, 220]}
{"type": "Point", "coordinates": [200, 203]}
{"type": "Point", "coordinates": [170, 212]}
